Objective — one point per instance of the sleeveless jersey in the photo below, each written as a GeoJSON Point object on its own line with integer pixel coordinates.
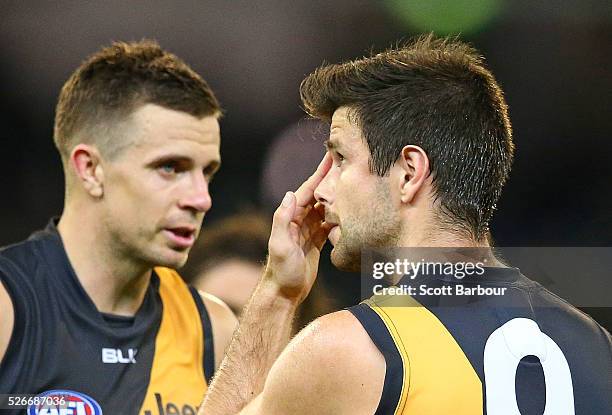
{"type": "Point", "coordinates": [157, 362]}
{"type": "Point", "coordinates": [521, 353]}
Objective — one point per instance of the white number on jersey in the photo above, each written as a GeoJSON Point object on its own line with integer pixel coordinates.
{"type": "Point", "coordinates": [505, 348]}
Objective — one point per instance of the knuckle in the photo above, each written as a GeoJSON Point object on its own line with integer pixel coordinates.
{"type": "Point", "coordinates": [277, 248]}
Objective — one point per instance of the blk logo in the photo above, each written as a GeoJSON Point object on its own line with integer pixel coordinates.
{"type": "Point", "coordinates": [117, 356]}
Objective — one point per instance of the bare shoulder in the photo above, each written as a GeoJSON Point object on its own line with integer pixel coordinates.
{"type": "Point", "coordinates": [335, 332]}
{"type": "Point", "coordinates": [338, 338]}
{"type": "Point", "coordinates": [218, 310]}
{"type": "Point", "coordinates": [223, 323]}
{"type": "Point", "coordinates": [7, 319]}
{"type": "Point", "coordinates": [331, 366]}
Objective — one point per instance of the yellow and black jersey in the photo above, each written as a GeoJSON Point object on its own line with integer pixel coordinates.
{"type": "Point", "coordinates": [524, 352]}
{"type": "Point", "coordinates": [157, 362]}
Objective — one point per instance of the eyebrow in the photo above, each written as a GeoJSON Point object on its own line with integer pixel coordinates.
{"type": "Point", "coordinates": [170, 157]}
{"type": "Point", "coordinates": [213, 166]}
{"type": "Point", "coordinates": [331, 145]}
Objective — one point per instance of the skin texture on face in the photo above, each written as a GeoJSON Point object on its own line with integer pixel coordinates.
{"type": "Point", "coordinates": [156, 190]}
{"type": "Point", "coordinates": [358, 201]}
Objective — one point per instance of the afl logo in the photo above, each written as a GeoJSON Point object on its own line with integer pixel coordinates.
{"type": "Point", "coordinates": [64, 402]}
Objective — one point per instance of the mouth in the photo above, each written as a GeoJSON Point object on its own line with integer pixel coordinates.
{"type": "Point", "coordinates": [334, 235]}
{"type": "Point", "coordinates": [181, 237]}
{"type": "Point", "coordinates": [334, 229]}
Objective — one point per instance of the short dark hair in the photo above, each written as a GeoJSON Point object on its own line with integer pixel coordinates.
{"type": "Point", "coordinates": [117, 79]}
{"type": "Point", "coordinates": [437, 94]}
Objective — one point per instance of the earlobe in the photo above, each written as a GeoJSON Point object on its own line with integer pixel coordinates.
{"type": "Point", "coordinates": [85, 161]}
{"type": "Point", "coordinates": [415, 170]}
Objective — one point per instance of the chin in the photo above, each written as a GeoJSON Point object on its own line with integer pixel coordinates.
{"type": "Point", "coordinates": [345, 261]}
{"type": "Point", "coordinates": [171, 259]}
{"type": "Point", "coordinates": [177, 263]}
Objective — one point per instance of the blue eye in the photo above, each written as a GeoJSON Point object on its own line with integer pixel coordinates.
{"type": "Point", "coordinates": [168, 168]}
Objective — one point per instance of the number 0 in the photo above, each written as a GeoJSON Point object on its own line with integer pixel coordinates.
{"type": "Point", "coordinates": [503, 351]}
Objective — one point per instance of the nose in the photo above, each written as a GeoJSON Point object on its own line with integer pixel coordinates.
{"type": "Point", "coordinates": [324, 193]}
{"type": "Point", "coordinates": [197, 197]}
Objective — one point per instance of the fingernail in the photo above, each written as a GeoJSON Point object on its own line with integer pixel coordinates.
{"type": "Point", "coordinates": [287, 199]}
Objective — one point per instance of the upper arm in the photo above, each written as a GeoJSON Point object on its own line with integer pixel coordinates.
{"type": "Point", "coordinates": [7, 319]}
{"type": "Point", "coordinates": [330, 367]}
{"type": "Point", "coordinates": [223, 322]}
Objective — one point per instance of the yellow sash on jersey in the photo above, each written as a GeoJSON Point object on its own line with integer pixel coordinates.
{"type": "Point", "coordinates": [438, 377]}
{"type": "Point", "coordinates": [177, 375]}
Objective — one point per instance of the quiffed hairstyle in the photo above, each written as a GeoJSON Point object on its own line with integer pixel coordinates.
{"type": "Point", "coordinates": [113, 82]}
{"type": "Point", "coordinates": [436, 94]}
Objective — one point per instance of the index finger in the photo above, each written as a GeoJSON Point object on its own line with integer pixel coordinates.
{"type": "Point", "coordinates": [305, 193]}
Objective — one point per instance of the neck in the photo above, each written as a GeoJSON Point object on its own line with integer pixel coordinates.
{"type": "Point", "coordinates": [441, 239]}
{"type": "Point", "coordinates": [115, 282]}
{"type": "Point", "coordinates": [447, 244]}
{"type": "Point", "coordinates": [422, 227]}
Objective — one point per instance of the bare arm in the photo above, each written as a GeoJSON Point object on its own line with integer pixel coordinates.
{"type": "Point", "coordinates": [298, 234]}
{"type": "Point", "coordinates": [223, 322]}
{"type": "Point", "coordinates": [261, 336]}
{"type": "Point", "coordinates": [7, 320]}
{"type": "Point", "coordinates": [331, 367]}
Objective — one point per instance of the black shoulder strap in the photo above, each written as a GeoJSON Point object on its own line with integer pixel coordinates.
{"type": "Point", "coordinates": [209, 348]}
{"type": "Point", "coordinates": [394, 376]}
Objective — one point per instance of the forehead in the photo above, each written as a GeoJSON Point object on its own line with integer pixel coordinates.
{"type": "Point", "coordinates": [344, 132]}
{"type": "Point", "coordinates": [155, 129]}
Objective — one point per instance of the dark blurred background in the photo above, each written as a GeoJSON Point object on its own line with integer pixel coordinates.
{"type": "Point", "coordinates": [552, 58]}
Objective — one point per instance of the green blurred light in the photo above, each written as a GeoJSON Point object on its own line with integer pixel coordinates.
{"type": "Point", "coordinates": [445, 16]}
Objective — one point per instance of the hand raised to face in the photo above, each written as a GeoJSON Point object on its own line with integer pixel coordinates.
{"type": "Point", "coordinates": [298, 235]}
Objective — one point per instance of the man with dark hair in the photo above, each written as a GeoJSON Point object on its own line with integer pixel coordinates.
{"type": "Point", "coordinates": [420, 147]}
{"type": "Point", "coordinates": [92, 313]}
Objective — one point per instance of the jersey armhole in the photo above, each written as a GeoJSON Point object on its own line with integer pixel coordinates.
{"type": "Point", "coordinates": [209, 348]}
{"type": "Point", "coordinates": [394, 374]}
{"type": "Point", "coordinates": [18, 294]}
{"type": "Point", "coordinates": [13, 335]}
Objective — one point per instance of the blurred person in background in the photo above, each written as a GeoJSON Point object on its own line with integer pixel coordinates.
{"type": "Point", "coordinates": [228, 259]}
{"type": "Point", "coordinates": [92, 312]}
{"type": "Point", "coordinates": [420, 147]}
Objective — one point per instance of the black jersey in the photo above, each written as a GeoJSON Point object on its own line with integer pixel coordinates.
{"type": "Point", "coordinates": [501, 344]}
{"type": "Point", "coordinates": [157, 362]}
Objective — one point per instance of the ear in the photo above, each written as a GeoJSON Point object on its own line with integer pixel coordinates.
{"type": "Point", "coordinates": [414, 167]}
{"type": "Point", "coordinates": [85, 160]}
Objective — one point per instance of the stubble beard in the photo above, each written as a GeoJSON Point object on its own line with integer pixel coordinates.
{"type": "Point", "coordinates": [377, 227]}
{"type": "Point", "coordinates": [146, 248]}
